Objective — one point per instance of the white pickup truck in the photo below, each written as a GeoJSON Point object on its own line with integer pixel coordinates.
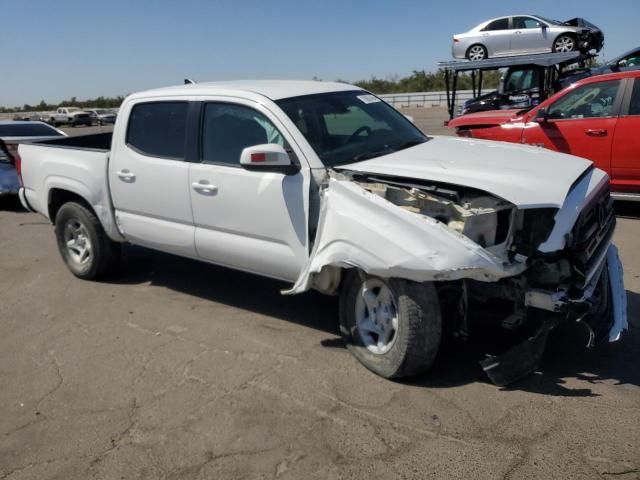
{"type": "Point", "coordinates": [325, 186]}
{"type": "Point", "coordinates": [70, 116]}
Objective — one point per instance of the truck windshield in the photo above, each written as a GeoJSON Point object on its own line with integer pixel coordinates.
{"type": "Point", "coordinates": [347, 127]}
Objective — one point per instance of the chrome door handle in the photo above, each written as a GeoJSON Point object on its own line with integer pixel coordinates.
{"type": "Point", "coordinates": [204, 187]}
{"type": "Point", "coordinates": [596, 132]}
{"type": "Point", "coordinates": [518, 32]}
{"type": "Point", "coordinates": [125, 175]}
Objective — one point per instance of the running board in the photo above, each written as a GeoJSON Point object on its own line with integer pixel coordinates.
{"type": "Point", "coordinates": [629, 197]}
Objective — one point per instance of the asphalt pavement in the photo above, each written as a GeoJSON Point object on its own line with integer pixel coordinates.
{"type": "Point", "coordinates": [175, 369]}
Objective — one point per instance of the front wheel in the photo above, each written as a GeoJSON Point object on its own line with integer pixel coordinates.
{"type": "Point", "coordinates": [564, 43]}
{"type": "Point", "coordinates": [393, 327]}
{"type": "Point", "coordinates": [86, 249]}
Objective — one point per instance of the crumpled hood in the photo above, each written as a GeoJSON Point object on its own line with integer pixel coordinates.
{"type": "Point", "coordinates": [528, 177]}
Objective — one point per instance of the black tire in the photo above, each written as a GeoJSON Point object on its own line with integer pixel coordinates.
{"type": "Point", "coordinates": [564, 37]}
{"type": "Point", "coordinates": [470, 50]}
{"type": "Point", "coordinates": [104, 252]}
{"type": "Point", "coordinates": [419, 329]}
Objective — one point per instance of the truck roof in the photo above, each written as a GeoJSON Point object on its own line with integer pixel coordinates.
{"type": "Point", "coordinates": [273, 89]}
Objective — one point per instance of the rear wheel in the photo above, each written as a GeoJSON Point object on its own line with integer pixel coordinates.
{"type": "Point", "coordinates": [83, 244]}
{"type": "Point", "coordinates": [393, 327]}
{"type": "Point", "coordinates": [564, 43]}
{"type": "Point", "coordinates": [477, 52]}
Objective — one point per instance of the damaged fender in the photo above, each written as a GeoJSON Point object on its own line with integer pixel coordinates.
{"type": "Point", "coordinates": [357, 228]}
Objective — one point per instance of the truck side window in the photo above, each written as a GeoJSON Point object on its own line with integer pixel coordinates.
{"type": "Point", "coordinates": [588, 101]}
{"type": "Point", "coordinates": [227, 129]}
{"type": "Point", "coordinates": [158, 129]}
{"type": "Point", "coordinates": [634, 106]}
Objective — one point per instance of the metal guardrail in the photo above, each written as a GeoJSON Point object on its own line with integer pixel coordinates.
{"type": "Point", "coordinates": [424, 99]}
{"type": "Point", "coordinates": [398, 100]}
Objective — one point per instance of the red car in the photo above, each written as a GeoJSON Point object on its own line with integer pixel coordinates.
{"type": "Point", "coordinates": [597, 118]}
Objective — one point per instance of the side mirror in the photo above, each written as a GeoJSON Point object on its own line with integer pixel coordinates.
{"type": "Point", "coordinates": [542, 26]}
{"type": "Point", "coordinates": [541, 116]}
{"type": "Point", "coordinates": [268, 157]}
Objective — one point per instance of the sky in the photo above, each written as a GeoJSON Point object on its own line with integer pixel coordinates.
{"type": "Point", "coordinates": [55, 50]}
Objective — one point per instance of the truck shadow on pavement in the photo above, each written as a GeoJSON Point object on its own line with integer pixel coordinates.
{"type": "Point", "coordinates": [565, 359]}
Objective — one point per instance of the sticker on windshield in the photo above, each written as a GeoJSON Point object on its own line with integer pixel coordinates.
{"type": "Point", "coordinates": [368, 99]}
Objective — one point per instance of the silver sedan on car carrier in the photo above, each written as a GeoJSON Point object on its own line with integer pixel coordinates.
{"type": "Point", "coordinates": [524, 34]}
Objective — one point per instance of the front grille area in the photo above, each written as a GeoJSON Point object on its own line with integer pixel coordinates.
{"type": "Point", "coordinates": [591, 233]}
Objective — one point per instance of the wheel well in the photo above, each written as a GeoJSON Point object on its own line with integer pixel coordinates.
{"type": "Point", "coordinates": [58, 197]}
{"type": "Point", "coordinates": [565, 34]}
{"type": "Point", "coordinates": [476, 45]}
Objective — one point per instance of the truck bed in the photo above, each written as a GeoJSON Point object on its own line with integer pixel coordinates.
{"type": "Point", "coordinates": [76, 165]}
{"type": "Point", "coordinates": [98, 141]}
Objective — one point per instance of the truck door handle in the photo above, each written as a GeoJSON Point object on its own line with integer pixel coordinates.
{"type": "Point", "coordinates": [596, 132]}
{"type": "Point", "coordinates": [126, 176]}
{"type": "Point", "coordinates": [204, 187]}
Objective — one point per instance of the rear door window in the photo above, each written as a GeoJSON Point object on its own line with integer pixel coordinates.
{"type": "Point", "coordinates": [500, 24]}
{"type": "Point", "coordinates": [634, 106]}
{"type": "Point", "coordinates": [158, 129]}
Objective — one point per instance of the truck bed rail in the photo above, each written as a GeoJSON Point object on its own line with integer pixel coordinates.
{"type": "Point", "coordinates": [97, 141]}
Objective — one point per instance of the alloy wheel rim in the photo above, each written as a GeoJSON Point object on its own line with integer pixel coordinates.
{"type": "Point", "coordinates": [77, 241]}
{"type": "Point", "coordinates": [564, 44]}
{"type": "Point", "coordinates": [376, 316]}
{"type": "Point", "coordinates": [476, 53]}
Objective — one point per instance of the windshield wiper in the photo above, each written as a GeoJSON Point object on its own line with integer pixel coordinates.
{"type": "Point", "coordinates": [377, 153]}
{"type": "Point", "coordinates": [409, 144]}
{"type": "Point", "coordinates": [388, 150]}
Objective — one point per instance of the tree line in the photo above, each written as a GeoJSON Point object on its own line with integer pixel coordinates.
{"type": "Point", "coordinates": [422, 81]}
{"type": "Point", "coordinates": [99, 102]}
{"type": "Point", "coordinates": [418, 81]}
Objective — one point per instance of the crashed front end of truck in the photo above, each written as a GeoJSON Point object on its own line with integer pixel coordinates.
{"type": "Point", "coordinates": [496, 267]}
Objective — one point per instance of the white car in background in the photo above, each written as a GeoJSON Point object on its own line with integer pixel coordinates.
{"type": "Point", "coordinates": [70, 116]}
{"type": "Point", "coordinates": [525, 34]}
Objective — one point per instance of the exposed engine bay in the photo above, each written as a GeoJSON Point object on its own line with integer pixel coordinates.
{"type": "Point", "coordinates": [481, 218]}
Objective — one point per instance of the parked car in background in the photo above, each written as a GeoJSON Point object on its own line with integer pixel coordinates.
{"type": "Point", "coordinates": [627, 61]}
{"type": "Point", "coordinates": [520, 87]}
{"type": "Point", "coordinates": [597, 118]}
{"type": "Point", "coordinates": [13, 133]}
{"type": "Point", "coordinates": [325, 186]}
{"type": "Point", "coordinates": [524, 34]}
{"type": "Point", "coordinates": [70, 116]}
{"type": "Point", "coordinates": [101, 116]}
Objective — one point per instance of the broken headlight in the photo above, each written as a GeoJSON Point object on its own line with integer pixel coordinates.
{"type": "Point", "coordinates": [532, 227]}
{"type": "Point", "coordinates": [484, 219]}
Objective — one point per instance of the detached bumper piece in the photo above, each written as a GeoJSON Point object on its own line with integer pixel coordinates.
{"type": "Point", "coordinates": [601, 309]}
{"type": "Point", "coordinates": [519, 361]}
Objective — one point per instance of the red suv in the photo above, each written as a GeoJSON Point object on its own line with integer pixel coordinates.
{"type": "Point", "coordinates": [597, 118]}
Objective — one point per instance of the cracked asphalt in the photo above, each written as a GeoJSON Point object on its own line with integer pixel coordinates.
{"type": "Point", "coordinates": [175, 369]}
